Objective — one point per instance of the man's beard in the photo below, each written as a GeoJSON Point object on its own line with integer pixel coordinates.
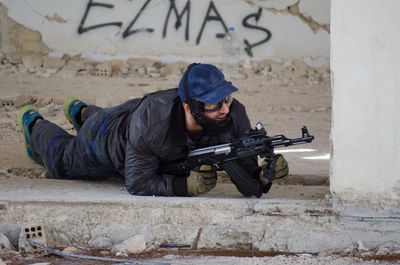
{"type": "Point", "coordinates": [210, 125]}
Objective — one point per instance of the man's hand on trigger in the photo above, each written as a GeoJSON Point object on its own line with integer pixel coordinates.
{"type": "Point", "coordinates": [201, 180]}
{"type": "Point", "coordinates": [281, 170]}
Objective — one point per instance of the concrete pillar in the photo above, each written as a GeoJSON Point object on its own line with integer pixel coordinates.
{"type": "Point", "coordinates": [365, 135]}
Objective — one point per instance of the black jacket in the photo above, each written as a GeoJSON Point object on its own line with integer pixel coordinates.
{"type": "Point", "coordinates": [154, 133]}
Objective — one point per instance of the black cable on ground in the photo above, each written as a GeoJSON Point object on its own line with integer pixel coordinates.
{"type": "Point", "coordinates": [68, 255]}
{"type": "Point", "coordinates": [174, 245]}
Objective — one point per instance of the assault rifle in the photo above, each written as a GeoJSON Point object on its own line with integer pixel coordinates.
{"type": "Point", "coordinates": [253, 143]}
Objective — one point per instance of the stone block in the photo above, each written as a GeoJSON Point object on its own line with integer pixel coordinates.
{"type": "Point", "coordinates": [166, 70]}
{"type": "Point", "coordinates": [34, 46]}
{"type": "Point", "coordinates": [23, 100]}
{"type": "Point", "coordinates": [35, 233]}
{"type": "Point", "coordinates": [119, 67]}
{"type": "Point", "coordinates": [32, 62]}
{"type": "Point", "coordinates": [135, 63]}
{"type": "Point", "coordinates": [50, 62]}
{"type": "Point", "coordinates": [104, 69]}
{"type": "Point", "coordinates": [5, 243]}
{"type": "Point", "coordinates": [177, 67]}
{"type": "Point", "coordinates": [26, 35]}
{"type": "Point", "coordinates": [132, 245]}
{"type": "Point", "coordinates": [141, 70]}
{"type": "Point", "coordinates": [14, 57]}
{"type": "Point", "coordinates": [152, 70]}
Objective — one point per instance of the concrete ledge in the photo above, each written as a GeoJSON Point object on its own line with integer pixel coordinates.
{"type": "Point", "coordinates": [100, 215]}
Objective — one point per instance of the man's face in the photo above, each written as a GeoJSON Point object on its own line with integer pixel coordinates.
{"type": "Point", "coordinates": [219, 114]}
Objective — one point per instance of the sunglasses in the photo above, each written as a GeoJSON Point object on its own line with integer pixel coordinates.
{"type": "Point", "coordinates": [217, 106]}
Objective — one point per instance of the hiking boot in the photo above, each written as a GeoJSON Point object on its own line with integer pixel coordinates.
{"type": "Point", "coordinates": [72, 110]}
{"type": "Point", "coordinates": [27, 117]}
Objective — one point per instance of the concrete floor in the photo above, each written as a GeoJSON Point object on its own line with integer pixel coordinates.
{"type": "Point", "coordinates": [22, 188]}
{"type": "Point", "coordinates": [98, 215]}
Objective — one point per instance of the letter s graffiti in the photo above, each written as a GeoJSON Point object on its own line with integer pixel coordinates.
{"type": "Point", "coordinates": [249, 46]}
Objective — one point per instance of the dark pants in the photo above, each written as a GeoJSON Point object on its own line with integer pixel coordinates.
{"type": "Point", "coordinates": [84, 156]}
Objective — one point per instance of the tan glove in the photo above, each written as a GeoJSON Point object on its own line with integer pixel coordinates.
{"type": "Point", "coordinates": [281, 169]}
{"type": "Point", "coordinates": [202, 180]}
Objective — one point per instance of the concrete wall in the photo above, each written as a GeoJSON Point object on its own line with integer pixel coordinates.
{"type": "Point", "coordinates": [365, 59]}
{"type": "Point", "coordinates": [289, 29]}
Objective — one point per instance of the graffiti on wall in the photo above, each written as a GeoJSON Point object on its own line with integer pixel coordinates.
{"type": "Point", "coordinates": [250, 22]}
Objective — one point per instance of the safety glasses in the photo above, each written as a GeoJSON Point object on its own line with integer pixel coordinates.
{"type": "Point", "coordinates": [217, 106]}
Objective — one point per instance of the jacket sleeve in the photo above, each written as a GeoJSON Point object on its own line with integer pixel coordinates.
{"type": "Point", "coordinates": [242, 124]}
{"type": "Point", "coordinates": [141, 166]}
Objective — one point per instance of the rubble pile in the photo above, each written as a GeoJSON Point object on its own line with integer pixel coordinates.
{"type": "Point", "coordinates": [49, 65]}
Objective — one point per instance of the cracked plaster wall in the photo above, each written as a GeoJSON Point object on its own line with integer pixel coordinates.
{"type": "Point", "coordinates": [365, 133]}
{"type": "Point", "coordinates": [299, 28]}
{"type": "Point", "coordinates": [17, 40]}
{"type": "Point", "coordinates": [314, 13]}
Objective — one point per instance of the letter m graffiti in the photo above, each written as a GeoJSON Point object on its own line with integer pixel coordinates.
{"type": "Point", "coordinates": [179, 16]}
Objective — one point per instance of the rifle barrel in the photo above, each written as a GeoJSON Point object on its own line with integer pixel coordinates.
{"type": "Point", "coordinates": [217, 149]}
{"type": "Point", "coordinates": [295, 141]}
{"type": "Point", "coordinates": [273, 141]}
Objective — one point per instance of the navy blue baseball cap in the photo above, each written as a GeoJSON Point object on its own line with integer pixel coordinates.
{"type": "Point", "coordinates": [206, 83]}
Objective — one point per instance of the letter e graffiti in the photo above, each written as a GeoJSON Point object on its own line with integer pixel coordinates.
{"type": "Point", "coordinates": [178, 23]}
{"type": "Point", "coordinates": [90, 4]}
{"type": "Point", "coordinates": [249, 46]}
{"type": "Point", "coordinates": [128, 30]}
